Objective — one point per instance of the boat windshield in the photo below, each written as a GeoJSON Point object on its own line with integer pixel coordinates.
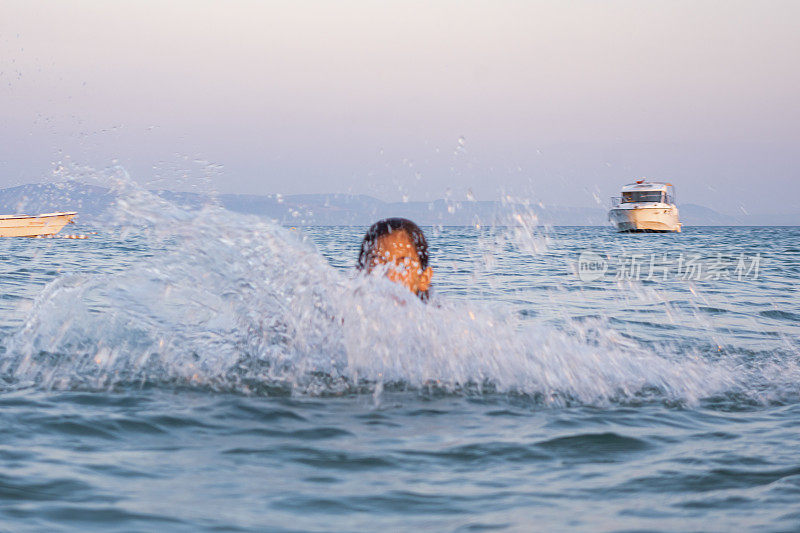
{"type": "Point", "coordinates": [642, 196]}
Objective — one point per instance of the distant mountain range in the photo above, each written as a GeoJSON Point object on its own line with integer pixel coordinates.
{"type": "Point", "coordinates": [346, 209]}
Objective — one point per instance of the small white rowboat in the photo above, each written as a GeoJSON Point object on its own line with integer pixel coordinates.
{"type": "Point", "coordinates": [34, 225]}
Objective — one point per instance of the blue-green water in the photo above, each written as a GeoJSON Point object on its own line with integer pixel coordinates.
{"type": "Point", "coordinates": [215, 372]}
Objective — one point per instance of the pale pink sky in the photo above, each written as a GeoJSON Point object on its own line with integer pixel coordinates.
{"type": "Point", "coordinates": [557, 100]}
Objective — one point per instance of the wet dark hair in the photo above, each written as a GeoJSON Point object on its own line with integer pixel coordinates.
{"type": "Point", "coordinates": [385, 227]}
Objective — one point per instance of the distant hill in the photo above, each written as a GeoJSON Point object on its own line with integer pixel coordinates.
{"type": "Point", "coordinates": [34, 198]}
{"type": "Point", "coordinates": [698, 215]}
{"type": "Point", "coordinates": [346, 209]}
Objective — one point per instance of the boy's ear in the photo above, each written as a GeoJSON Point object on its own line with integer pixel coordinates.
{"type": "Point", "coordinates": [425, 279]}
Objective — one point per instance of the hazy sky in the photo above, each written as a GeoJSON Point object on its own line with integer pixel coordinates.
{"type": "Point", "coordinates": [557, 101]}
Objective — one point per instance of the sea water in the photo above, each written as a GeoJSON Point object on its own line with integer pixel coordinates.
{"type": "Point", "coordinates": [201, 370]}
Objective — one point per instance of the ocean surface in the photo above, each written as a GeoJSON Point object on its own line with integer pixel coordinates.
{"type": "Point", "coordinates": [208, 371]}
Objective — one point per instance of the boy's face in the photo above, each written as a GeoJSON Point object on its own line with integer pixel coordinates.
{"type": "Point", "coordinates": [397, 251]}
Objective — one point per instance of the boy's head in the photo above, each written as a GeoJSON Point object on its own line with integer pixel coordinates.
{"type": "Point", "coordinates": [400, 245]}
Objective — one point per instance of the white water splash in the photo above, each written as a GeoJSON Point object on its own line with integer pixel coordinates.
{"type": "Point", "coordinates": [236, 303]}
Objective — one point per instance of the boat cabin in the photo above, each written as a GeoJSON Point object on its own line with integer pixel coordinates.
{"type": "Point", "coordinates": [646, 192]}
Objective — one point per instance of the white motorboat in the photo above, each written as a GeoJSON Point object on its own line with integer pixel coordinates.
{"type": "Point", "coordinates": [645, 206]}
{"type": "Point", "coordinates": [34, 225]}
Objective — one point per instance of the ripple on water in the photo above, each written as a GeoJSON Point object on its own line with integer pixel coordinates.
{"type": "Point", "coordinates": [323, 458]}
{"type": "Point", "coordinates": [481, 454]}
{"type": "Point", "coordinates": [36, 489]}
{"type": "Point", "coordinates": [781, 315]}
{"type": "Point", "coordinates": [595, 446]}
{"type": "Point", "coordinates": [317, 433]}
{"type": "Point", "coordinates": [709, 480]}
{"type": "Point", "coordinates": [391, 502]}
{"type": "Point", "coordinates": [94, 516]}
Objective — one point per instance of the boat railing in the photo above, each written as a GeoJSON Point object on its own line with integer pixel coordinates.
{"type": "Point", "coordinates": [615, 201]}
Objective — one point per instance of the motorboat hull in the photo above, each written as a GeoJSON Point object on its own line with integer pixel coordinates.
{"type": "Point", "coordinates": [646, 219]}
{"type": "Point", "coordinates": [34, 226]}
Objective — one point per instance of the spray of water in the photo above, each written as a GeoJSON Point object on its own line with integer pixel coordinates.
{"type": "Point", "coordinates": [237, 303]}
